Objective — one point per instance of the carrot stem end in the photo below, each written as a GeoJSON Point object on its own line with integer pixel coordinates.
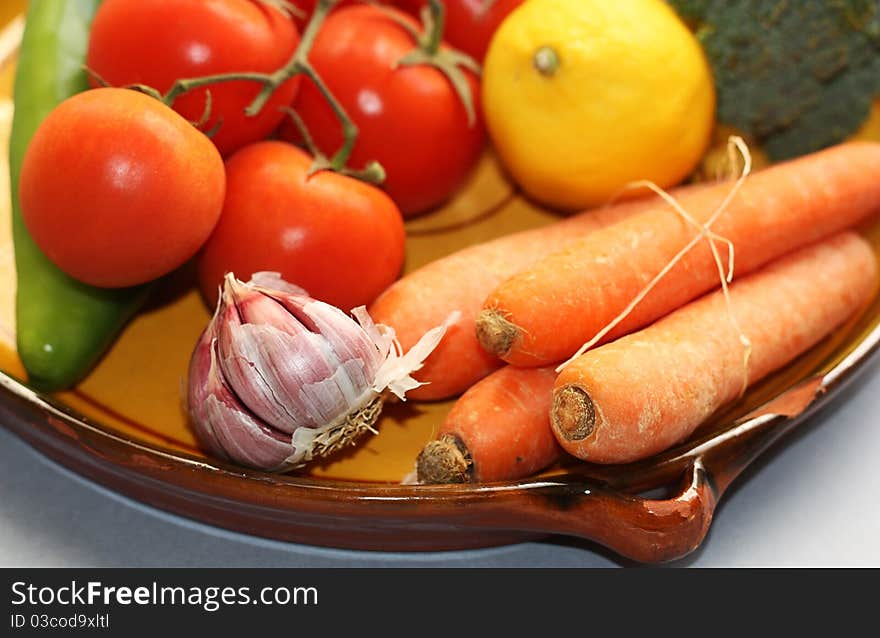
{"type": "Point", "coordinates": [495, 333]}
{"type": "Point", "coordinates": [446, 460]}
{"type": "Point", "coordinates": [573, 415]}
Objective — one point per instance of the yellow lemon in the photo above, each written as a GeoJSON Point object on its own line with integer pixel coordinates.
{"type": "Point", "coordinates": [582, 97]}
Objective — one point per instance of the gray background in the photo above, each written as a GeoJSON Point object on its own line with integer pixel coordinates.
{"type": "Point", "coordinates": [810, 501]}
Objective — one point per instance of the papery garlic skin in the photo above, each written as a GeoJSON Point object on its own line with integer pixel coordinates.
{"type": "Point", "coordinates": [238, 434]}
{"type": "Point", "coordinates": [278, 378]}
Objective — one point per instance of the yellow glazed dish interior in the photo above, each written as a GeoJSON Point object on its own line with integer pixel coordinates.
{"type": "Point", "coordinates": [136, 389]}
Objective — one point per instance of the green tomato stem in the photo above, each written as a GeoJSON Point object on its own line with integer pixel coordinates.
{"type": "Point", "coordinates": [287, 7]}
{"type": "Point", "coordinates": [296, 65]}
{"type": "Point", "coordinates": [434, 19]}
{"type": "Point", "coordinates": [349, 129]}
{"type": "Point", "coordinates": [448, 61]}
{"type": "Point", "coordinates": [180, 87]}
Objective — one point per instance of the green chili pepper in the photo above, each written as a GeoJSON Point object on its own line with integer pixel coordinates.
{"type": "Point", "coordinates": [63, 326]}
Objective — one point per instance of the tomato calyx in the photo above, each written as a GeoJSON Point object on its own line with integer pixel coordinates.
{"type": "Point", "coordinates": [447, 60]}
{"type": "Point", "coordinates": [372, 173]}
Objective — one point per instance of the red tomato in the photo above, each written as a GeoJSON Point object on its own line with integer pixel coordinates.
{"type": "Point", "coordinates": [340, 239]}
{"type": "Point", "coordinates": [117, 189]}
{"type": "Point", "coordinates": [470, 24]}
{"type": "Point", "coordinates": [410, 118]}
{"type": "Point", "coordinates": [156, 42]}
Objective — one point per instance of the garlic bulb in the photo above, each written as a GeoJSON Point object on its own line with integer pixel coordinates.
{"type": "Point", "coordinates": [278, 378]}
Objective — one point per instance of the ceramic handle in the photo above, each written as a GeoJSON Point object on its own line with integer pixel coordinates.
{"type": "Point", "coordinates": [642, 529]}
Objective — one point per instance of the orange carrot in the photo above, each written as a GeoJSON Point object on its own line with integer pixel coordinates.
{"type": "Point", "coordinates": [498, 430]}
{"type": "Point", "coordinates": [546, 312]}
{"type": "Point", "coordinates": [460, 281]}
{"type": "Point", "coordinates": [644, 392]}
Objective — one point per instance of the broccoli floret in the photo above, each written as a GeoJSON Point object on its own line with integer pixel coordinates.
{"type": "Point", "coordinates": [797, 75]}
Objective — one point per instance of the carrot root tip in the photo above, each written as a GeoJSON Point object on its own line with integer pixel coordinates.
{"type": "Point", "coordinates": [573, 415]}
{"type": "Point", "coordinates": [495, 333]}
{"type": "Point", "coordinates": [445, 460]}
